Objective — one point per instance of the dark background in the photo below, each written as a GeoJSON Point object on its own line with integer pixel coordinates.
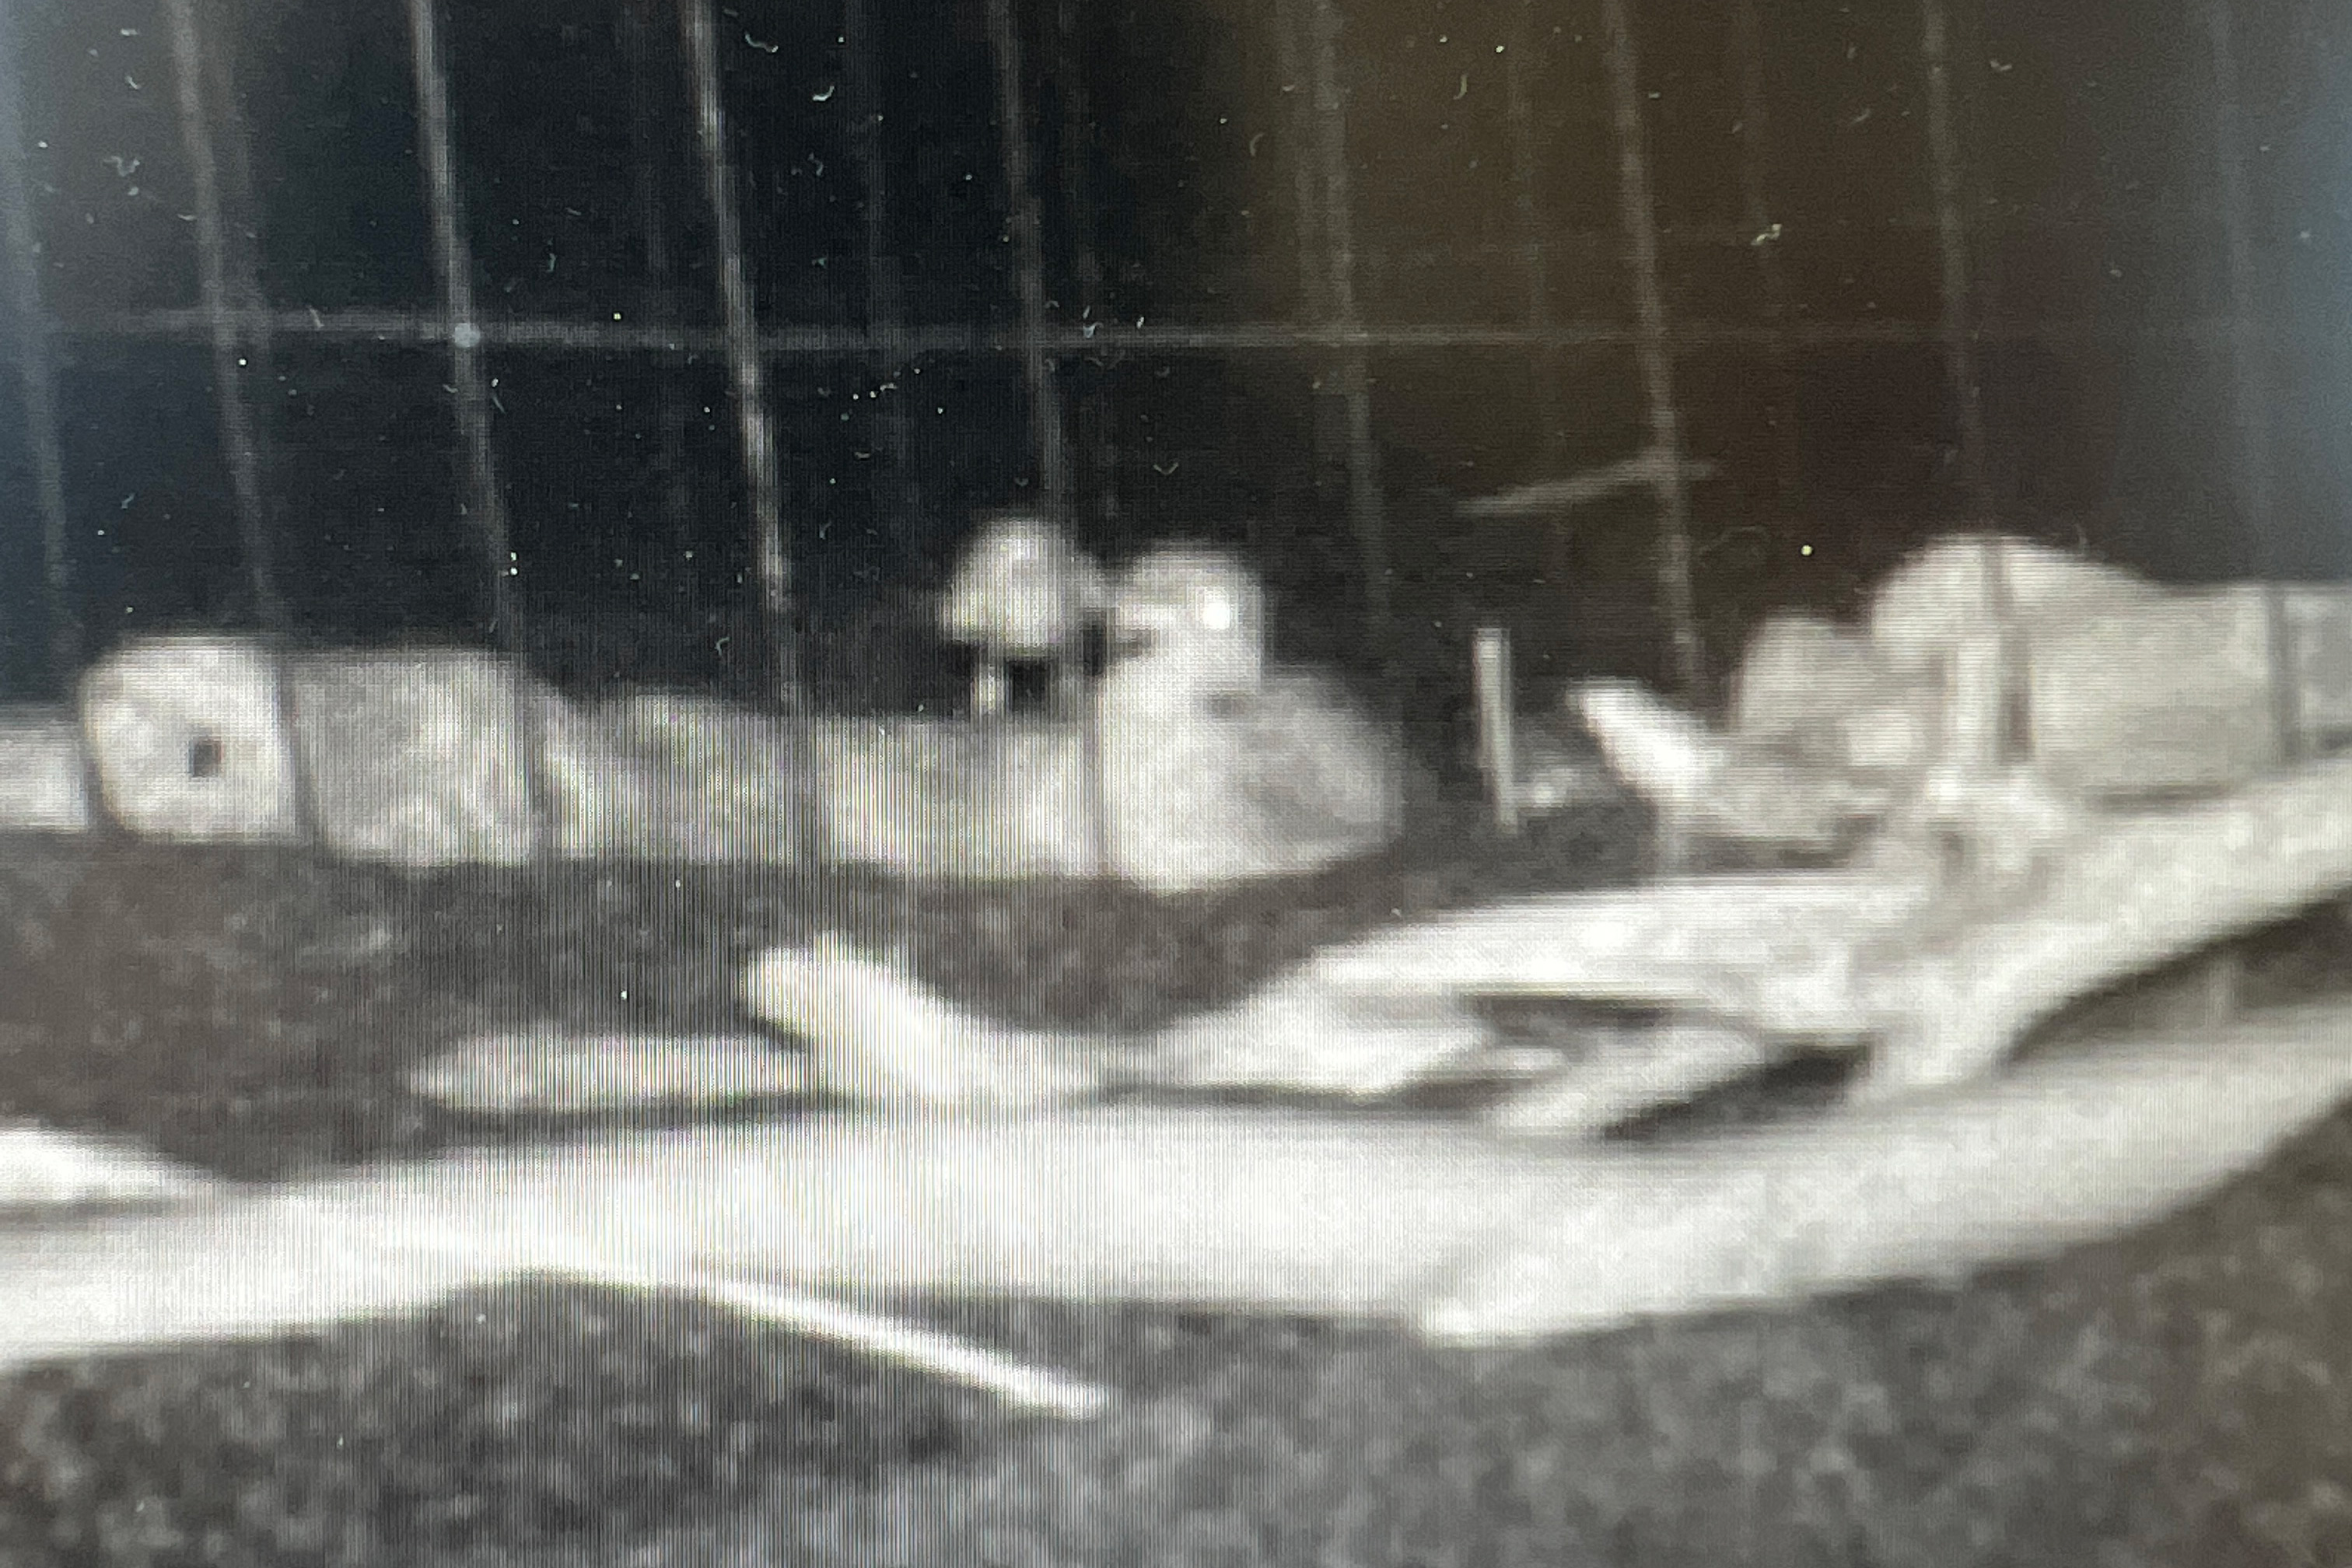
{"type": "Point", "coordinates": [1164, 143]}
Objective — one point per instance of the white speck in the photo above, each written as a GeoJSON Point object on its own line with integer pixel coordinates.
{"type": "Point", "coordinates": [465, 335]}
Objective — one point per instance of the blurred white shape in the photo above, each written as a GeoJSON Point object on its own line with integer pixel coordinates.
{"type": "Point", "coordinates": [1215, 768]}
{"type": "Point", "coordinates": [1023, 592]}
{"type": "Point", "coordinates": [1967, 582]}
{"type": "Point", "coordinates": [419, 756]}
{"type": "Point", "coordinates": [43, 787]}
{"type": "Point", "coordinates": [550, 1069]}
{"type": "Point", "coordinates": [43, 1168]}
{"type": "Point", "coordinates": [188, 737]}
{"type": "Point", "coordinates": [947, 798]}
{"type": "Point", "coordinates": [877, 1036]}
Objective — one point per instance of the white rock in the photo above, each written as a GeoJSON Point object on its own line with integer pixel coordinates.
{"type": "Point", "coordinates": [189, 741]}
{"type": "Point", "coordinates": [42, 783]}
{"type": "Point", "coordinates": [419, 757]}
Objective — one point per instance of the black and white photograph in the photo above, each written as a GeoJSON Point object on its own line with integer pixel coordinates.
{"type": "Point", "coordinates": [1175, 784]}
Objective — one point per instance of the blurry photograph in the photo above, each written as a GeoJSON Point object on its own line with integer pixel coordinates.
{"type": "Point", "coordinates": [1375, 783]}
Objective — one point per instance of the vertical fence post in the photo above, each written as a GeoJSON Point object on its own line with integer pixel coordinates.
{"type": "Point", "coordinates": [36, 374]}
{"type": "Point", "coordinates": [236, 318]}
{"type": "Point", "coordinates": [1955, 286]}
{"type": "Point", "coordinates": [1952, 250]}
{"type": "Point", "coordinates": [240, 205]}
{"type": "Point", "coordinates": [1756, 218]}
{"type": "Point", "coordinates": [454, 263]}
{"type": "Point", "coordinates": [2252, 428]}
{"type": "Point", "coordinates": [1046, 428]}
{"type": "Point", "coordinates": [1366, 505]}
{"type": "Point", "coordinates": [1094, 427]}
{"type": "Point", "coordinates": [700, 33]}
{"type": "Point", "coordinates": [2252, 469]}
{"type": "Point", "coordinates": [656, 301]}
{"type": "Point", "coordinates": [1313, 305]}
{"type": "Point", "coordinates": [1655, 350]}
{"type": "Point", "coordinates": [1527, 203]}
{"type": "Point", "coordinates": [230, 385]}
{"type": "Point", "coordinates": [901, 493]}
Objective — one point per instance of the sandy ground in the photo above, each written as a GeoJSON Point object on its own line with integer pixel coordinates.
{"type": "Point", "coordinates": [2180, 1395]}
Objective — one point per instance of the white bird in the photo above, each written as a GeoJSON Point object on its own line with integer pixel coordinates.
{"type": "Point", "coordinates": [1214, 767]}
{"type": "Point", "coordinates": [1024, 594]}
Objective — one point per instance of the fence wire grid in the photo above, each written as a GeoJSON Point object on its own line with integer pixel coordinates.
{"type": "Point", "coordinates": [1046, 308]}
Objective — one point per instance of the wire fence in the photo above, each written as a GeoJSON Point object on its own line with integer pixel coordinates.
{"type": "Point", "coordinates": [1333, 336]}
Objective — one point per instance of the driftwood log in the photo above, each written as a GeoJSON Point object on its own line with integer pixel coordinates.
{"type": "Point", "coordinates": [1955, 990]}
{"type": "Point", "coordinates": [1472, 1235]}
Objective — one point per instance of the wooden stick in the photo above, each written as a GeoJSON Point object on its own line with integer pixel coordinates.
{"type": "Point", "coordinates": [1635, 1071]}
{"type": "Point", "coordinates": [1771, 949]}
{"type": "Point", "coordinates": [1642, 469]}
{"type": "Point", "coordinates": [1498, 753]}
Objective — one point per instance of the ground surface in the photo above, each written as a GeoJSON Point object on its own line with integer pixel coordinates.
{"type": "Point", "coordinates": [2180, 1396]}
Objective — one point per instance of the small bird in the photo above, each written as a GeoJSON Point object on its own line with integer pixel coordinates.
{"type": "Point", "coordinates": [1215, 767]}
